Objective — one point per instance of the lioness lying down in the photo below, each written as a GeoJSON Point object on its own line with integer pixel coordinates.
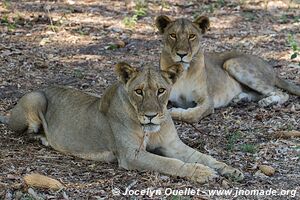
{"type": "Point", "coordinates": [128, 124]}
{"type": "Point", "coordinates": [213, 80]}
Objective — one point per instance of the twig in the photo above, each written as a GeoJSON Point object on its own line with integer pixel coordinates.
{"type": "Point", "coordinates": [141, 145]}
{"type": "Point", "coordinates": [197, 129]}
{"type": "Point", "coordinates": [49, 16]}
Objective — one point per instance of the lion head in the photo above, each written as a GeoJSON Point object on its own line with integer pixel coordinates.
{"type": "Point", "coordinates": [182, 37]}
{"type": "Point", "coordinates": [148, 92]}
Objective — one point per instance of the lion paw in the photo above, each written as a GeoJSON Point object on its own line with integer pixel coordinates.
{"type": "Point", "coordinates": [176, 113]}
{"type": "Point", "coordinates": [242, 97]}
{"type": "Point", "coordinates": [180, 114]}
{"type": "Point", "coordinates": [268, 101]}
{"type": "Point", "coordinates": [201, 173]}
{"type": "Point", "coordinates": [274, 98]}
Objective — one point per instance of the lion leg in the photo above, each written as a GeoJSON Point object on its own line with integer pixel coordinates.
{"type": "Point", "coordinates": [105, 156]}
{"type": "Point", "coordinates": [143, 160]}
{"type": "Point", "coordinates": [29, 113]}
{"type": "Point", "coordinates": [194, 114]}
{"type": "Point", "coordinates": [258, 76]}
{"type": "Point", "coordinates": [177, 149]}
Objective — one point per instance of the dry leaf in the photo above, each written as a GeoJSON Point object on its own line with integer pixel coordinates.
{"type": "Point", "coordinates": [267, 170]}
{"type": "Point", "coordinates": [287, 134]}
{"type": "Point", "coordinates": [41, 181]}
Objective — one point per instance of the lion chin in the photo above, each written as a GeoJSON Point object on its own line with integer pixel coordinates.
{"type": "Point", "coordinates": [185, 65]}
{"type": "Point", "coordinates": [151, 128]}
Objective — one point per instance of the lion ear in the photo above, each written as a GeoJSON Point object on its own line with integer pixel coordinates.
{"type": "Point", "coordinates": [124, 71]}
{"type": "Point", "coordinates": [173, 72]}
{"type": "Point", "coordinates": [203, 23]}
{"type": "Point", "coordinates": [162, 22]}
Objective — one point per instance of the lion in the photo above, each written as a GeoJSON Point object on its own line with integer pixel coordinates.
{"type": "Point", "coordinates": [130, 125]}
{"type": "Point", "coordinates": [213, 80]}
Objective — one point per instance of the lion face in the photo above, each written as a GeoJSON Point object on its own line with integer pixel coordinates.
{"type": "Point", "coordinates": [182, 37]}
{"type": "Point", "coordinates": [148, 92]}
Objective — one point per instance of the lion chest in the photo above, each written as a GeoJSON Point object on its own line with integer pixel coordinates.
{"type": "Point", "coordinates": [182, 93]}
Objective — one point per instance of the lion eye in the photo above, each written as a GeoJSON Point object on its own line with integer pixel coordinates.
{"type": "Point", "coordinates": [161, 90]}
{"type": "Point", "coordinates": [173, 35]}
{"type": "Point", "coordinates": [192, 36]}
{"type": "Point", "coordinates": [139, 92]}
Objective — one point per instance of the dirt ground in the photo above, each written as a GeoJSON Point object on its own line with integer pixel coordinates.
{"type": "Point", "coordinates": [77, 43]}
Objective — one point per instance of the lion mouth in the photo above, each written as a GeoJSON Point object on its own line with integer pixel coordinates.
{"type": "Point", "coordinates": [150, 127]}
{"type": "Point", "coordinates": [184, 62]}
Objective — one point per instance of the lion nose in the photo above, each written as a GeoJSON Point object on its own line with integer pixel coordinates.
{"type": "Point", "coordinates": [150, 116]}
{"type": "Point", "coordinates": [181, 55]}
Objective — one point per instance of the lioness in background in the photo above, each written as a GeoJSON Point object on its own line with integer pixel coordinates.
{"type": "Point", "coordinates": [213, 80]}
{"type": "Point", "coordinates": [128, 123]}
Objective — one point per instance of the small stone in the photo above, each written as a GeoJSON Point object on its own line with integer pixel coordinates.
{"type": "Point", "coordinates": [8, 195]}
{"type": "Point", "coordinates": [11, 176]}
{"type": "Point", "coordinates": [118, 30]}
{"type": "Point", "coordinates": [164, 178]}
{"type": "Point", "coordinates": [267, 170]}
{"type": "Point", "coordinates": [66, 197]}
{"type": "Point", "coordinates": [120, 43]}
{"type": "Point", "coordinates": [32, 193]}
{"type": "Point", "coordinates": [50, 56]}
{"type": "Point", "coordinates": [41, 181]}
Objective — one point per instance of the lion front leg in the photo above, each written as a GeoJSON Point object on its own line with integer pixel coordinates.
{"type": "Point", "coordinates": [192, 115]}
{"type": "Point", "coordinates": [177, 149]}
{"type": "Point", "coordinates": [143, 160]}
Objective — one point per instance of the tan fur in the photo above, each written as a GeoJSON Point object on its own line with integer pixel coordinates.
{"type": "Point", "coordinates": [213, 80]}
{"type": "Point", "coordinates": [128, 124]}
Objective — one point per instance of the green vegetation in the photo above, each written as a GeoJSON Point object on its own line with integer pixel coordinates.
{"type": "Point", "coordinates": [297, 148]}
{"type": "Point", "coordinates": [232, 139]}
{"type": "Point", "coordinates": [250, 16]}
{"type": "Point", "coordinates": [293, 44]}
{"type": "Point", "coordinates": [284, 19]}
{"type": "Point", "coordinates": [130, 21]}
{"type": "Point", "coordinates": [6, 4]}
{"type": "Point", "coordinates": [29, 197]}
{"type": "Point", "coordinates": [221, 3]}
{"type": "Point", "coordinates": [10, 24]}
{"type": "Point", "coordinates": [78, 74]}
{"type": "Point", "coordinates": [140, 10]}
{"type": "Point", "coordinates": [164, 4]}
{"type": "Point", "coordinates": [81, 31]}
{"type": "Point", "coordinates": [211, 7]}
{"type": "Point", "coordinates": [242, 2]}
{"type": "Point", "coordinates": [112, 46]}
{"type": "Point", "coordinates": [249, 148]}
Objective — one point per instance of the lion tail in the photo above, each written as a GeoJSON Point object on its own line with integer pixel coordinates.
{"type": "Point", "coordinates": [3, 119]}
{"type": "Point", "coordinates": [287, 85]}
